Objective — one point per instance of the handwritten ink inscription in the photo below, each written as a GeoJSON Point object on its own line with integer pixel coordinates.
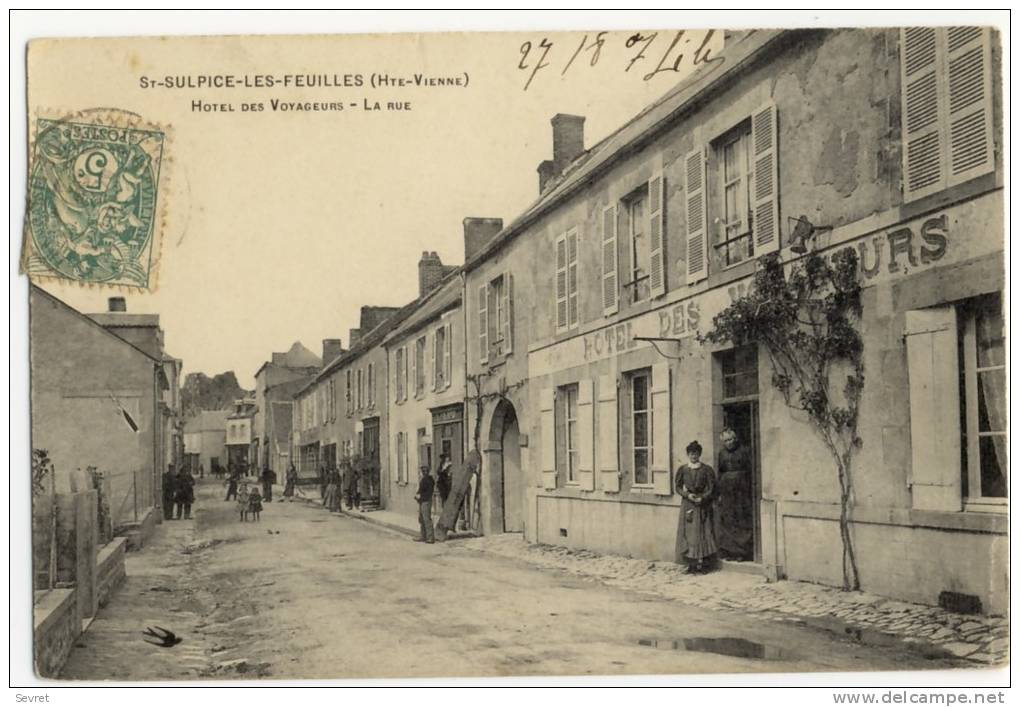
{"type": "Point", "coordinates": [671, 53]}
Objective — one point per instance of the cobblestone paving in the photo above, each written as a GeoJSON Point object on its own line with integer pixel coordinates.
{"type": "Point", "coordinates": [870, 618]}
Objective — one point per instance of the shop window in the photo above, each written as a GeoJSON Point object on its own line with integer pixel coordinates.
{"type": "Point", "coordinates": [566, 432]}
{"type": "Point", "coordinates": [946, 107]}
{"type": "Point", "coordinates": [419, 366]}
{"type": "Point", "coordinates": [637, 431]}
{"type": "Point", "coordinates": [732, 240]}
{"type": "Point", "coordinates": [984, 435]}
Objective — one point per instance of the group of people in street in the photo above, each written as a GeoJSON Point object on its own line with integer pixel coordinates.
{"type": "Point", "coordinates": [716, 512]}
{"type": "Point", "coordinates": [179, 491]}
{"type": "Point", "coordinates": [428, 487]}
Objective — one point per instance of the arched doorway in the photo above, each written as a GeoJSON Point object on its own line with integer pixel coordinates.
{"type": "Point", "coordinates": [505, 464]}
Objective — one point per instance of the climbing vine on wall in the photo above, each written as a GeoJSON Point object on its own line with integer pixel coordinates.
{"type": "Point", "coordinates": [807, 315]}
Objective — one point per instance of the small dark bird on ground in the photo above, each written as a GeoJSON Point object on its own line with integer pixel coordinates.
{"type": "Point", "coordinates": [159, 636]}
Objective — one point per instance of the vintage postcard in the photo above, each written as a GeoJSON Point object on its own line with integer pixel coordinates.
{"type": "Point", "coordinates": [679, 350]}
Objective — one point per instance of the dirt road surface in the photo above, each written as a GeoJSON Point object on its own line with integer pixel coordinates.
{"type": "Point", "coordinates": [306, 594]}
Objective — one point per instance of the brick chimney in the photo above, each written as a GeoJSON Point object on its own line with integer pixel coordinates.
{"type": "Point", "coordinates": [331, 348]}
{"type": "Point", "coordinates": [430, 272]}
{"type": "Point", "coordinates": [568, 145]}
{"type": "Point", "coordinates": [478, 232]}
{"type": "Point", "coordinates": [116, 304]}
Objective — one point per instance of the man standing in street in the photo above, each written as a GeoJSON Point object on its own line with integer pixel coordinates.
{"type": "Point", "coordinates": [733, 494]}
{"type": "Point", "coordinates": [424, 499]}
{"type": "Point", "coordinates": [268, 479]}
{"type": "Point", "coordinates": [185, 494]}
{"type": "Point", "coordinates": [169, 490]}
{"type": "Point", "coordinates": [233, 477]}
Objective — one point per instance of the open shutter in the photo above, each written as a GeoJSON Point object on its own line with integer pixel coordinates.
{"type": "Point", "coordinates": [697, 217]}
{"type": "Point", "coordinates": [923, 138]}
{"type": "Point", "coordinates": [764, 137]}
{"type": "Point", "coordinates": [609, 466]}
{"type": "Point", "coordinates": [656, 230]}
{"type": "Point", "coordinates": [508, 313]}
{"type": "Point", "coordinates": [483, 324]}
{"type": "Point", "coordinates": [586, 435]}
{"type": "Point", "coordinates": [432, 361]}
{"type": "Point", "coordinates": [610, 276]}
{"type": "Point", "coordinates": [561, 282]}
{"type": "Point", "coordinates": [448, 356]}
{"type": "Point", "coordinates": [572, 301]}
{"type": "Point", "coordinates": [660, 430]}
{"type": "Point", "coordinates": [969, 59]}
{"type": "Point", "coordinates": [412, 378]}
{"type": "Point", "coordinates": [403, 374]}
{"type": "Point", "coordinates": [933, 372]}
{"type": "Point", "coordinates": [547, 419]}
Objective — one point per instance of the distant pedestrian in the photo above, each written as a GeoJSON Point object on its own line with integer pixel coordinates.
{"type": "Point", "coordinates": [353, 496]}
{"type": "Point", "coordinates": [242, 500]}
{"type": "Point", "coordinates": [254, 503]}
{"type": "Point", "coordinates": [424, 498]}
{"type": "Point", "coordinates": [696, 542]}
{"type": "Point", "coordinates": [268, 479]}
{"type": "Point", "coordinates": [201, 470]}
{"type": "Point", "coordinates": [169, 491]}
{"type": "Point", "coordinates": [332, 498]}
{"type": "Point", "coordinates": [288, 490]}
{"type": "Point", "coordinates": [322, 482]}
{"type": "Point", "coordinates": [184, 493]}
{"type": "Point", "coordinates": [232, 482]}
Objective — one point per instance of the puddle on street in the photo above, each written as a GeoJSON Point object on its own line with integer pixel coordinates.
{"type": "Point", "coordinates": [734, 647]}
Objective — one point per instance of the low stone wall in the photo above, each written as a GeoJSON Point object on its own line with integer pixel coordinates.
{"type": "Point", "coordinates": [110, 569]}
{"type": "Point", "coordinates": [138, 532]}
{"type": "Point", "coordinates": [56, 628]}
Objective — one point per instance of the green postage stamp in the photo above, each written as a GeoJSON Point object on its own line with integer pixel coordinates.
{"type": "Point", "coordinates": [92, 202]}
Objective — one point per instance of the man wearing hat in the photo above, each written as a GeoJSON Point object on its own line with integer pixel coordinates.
{"type": "Point", "coordinates": [424, 498]}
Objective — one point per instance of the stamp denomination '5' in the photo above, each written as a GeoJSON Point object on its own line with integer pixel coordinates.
{"type": "Point", "coordinates": [92, 202]}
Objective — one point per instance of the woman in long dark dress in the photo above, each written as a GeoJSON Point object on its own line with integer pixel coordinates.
{"type": "Point", "coordinates": [696, 535]}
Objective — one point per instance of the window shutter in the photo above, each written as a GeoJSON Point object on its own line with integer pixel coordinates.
{"type": "Point", "coordinates": [508, 313]}
{"type": "Point", "coordinates": [572, 298]}
{"type": "Point", "coordinates": [610, 272]}
{"type": "Point", "coordinates": [412, 378]}
{"type": "Point", "coordinates": [969, 58]}
{"type": "Point", "coordinates": [656, 231]}
{"type": "Point", "coordinates": [609, 471]}
{"type": "Point", "coordinates": [448, 356]}
{"type": "Point", "coordinates": [923, 139]}
{"type": "Point", "coordinates": [764, 143]}
{"type": "Point", "coordinates": [436, 354]}
{"type": "Point", "coordinates": [561, 282]}
{"type": "Point", "coordinates": [483, 324]}
{"type": "Point", "coordinates": [660, 430]}
{"type": "Point", "coordinates": [697, 226]}
{"type": "Point", "coordinates": [586, 435]}
{"type": "Point", "coordinates": [933, 372]}
{"type": "Point", "coordinates": [547, 420]}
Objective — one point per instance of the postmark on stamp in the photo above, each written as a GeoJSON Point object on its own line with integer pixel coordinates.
{"type": "Point", "coordinates": [93, 189]}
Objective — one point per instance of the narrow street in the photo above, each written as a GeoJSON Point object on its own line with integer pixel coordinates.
{"type": "Point", "coordinates": [306, 594]}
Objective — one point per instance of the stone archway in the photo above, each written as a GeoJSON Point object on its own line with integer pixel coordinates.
{"type": "Point", "coordinates": [505, 476]}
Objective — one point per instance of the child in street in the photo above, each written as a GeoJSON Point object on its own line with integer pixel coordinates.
{"type": "Point", "coordinates": [255, 503]}
{"type": "Point", "coordinates": [242, 501]}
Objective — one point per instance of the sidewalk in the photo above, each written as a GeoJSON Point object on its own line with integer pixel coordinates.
{"type": "Point", "coordinates": [859, 616]}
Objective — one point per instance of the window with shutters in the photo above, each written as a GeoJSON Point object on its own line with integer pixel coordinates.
{"type": "Point", "coordinates": [636, 431]}
{"type": "Point", "coordinates": [984, 436]}
{"type": "Point", "coordinates": [639, 252]}
{"type": "Point", "coordinates": [440, 358]}
{"type": "Point", "coordinates": [497, 316]}
{"type": "Point", "coordinates": [348, 395]}
{"type": "Point", "coordinates": [946, 111]}
{"type": "Point", "coordinates": [567, 299]}
{"type": "Point", "coordinates": [398, 368]}
{"type": "Point", "coordinates": [566, 432]}
{"type": "Point", "coordinates": [731, 232]}
{"type": "Point", "coordinates": [419, 366]}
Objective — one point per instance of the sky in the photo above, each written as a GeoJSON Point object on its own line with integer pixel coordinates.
{"type": "Point", "coordinates": [280, 225]}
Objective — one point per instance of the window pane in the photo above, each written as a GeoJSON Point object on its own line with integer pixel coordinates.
{"type": "Point", "coordinates": [992, 401]}
{"type": "Point", "coordinates": [640, 466]}
{"type": "Point", "coordinates": [641, 429]}
{"type": "Point", "coordinates": [640, 392]}
{"type": "Point", "coordinates": [994, 466]}
{"type": "Point", "coordinates": [729, 160]}
{"type": "Point", "coordinates": [991, 344]}
{"type": "Point", "coordinates": [572, 435]}
{"type": "Point", "coordinates": [573, 465]}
